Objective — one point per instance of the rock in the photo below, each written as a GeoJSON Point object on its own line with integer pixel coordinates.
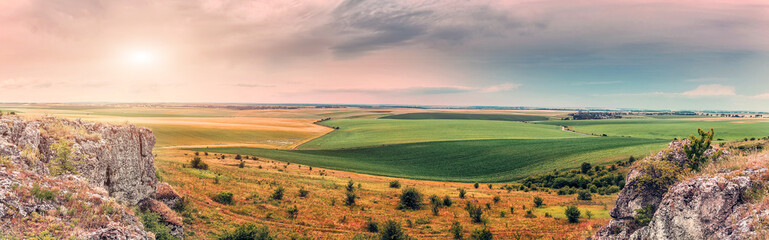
{"type": "Point", "coordinates": [168, 217]}
{"type": "Point", "coordinates": [167, 195]}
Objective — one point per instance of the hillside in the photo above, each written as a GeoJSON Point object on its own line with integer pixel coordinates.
{"type": "Point", "coordinates": [74, 179]}
{"type": "Point", "coordinates": [664, 199]}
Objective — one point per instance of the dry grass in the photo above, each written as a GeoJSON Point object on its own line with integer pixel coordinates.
{"type": "Point", "coordinates": [322, 214]}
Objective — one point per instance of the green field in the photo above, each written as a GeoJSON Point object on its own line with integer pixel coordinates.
{"type": "Point", "coordinates": [371, 132]}
{"type": "Point", "coordinates": [468, 116]}
{"type": "Point", "coordinates": [728, 130]}
{"type": "Point", "coordinates": [463, 161]}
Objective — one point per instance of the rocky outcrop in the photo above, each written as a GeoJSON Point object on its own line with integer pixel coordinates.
{"type": "Point", "coordinates": [117, 158]}
{"type": "Point", "coordinates": [704, 207]}
{"type": "Point", "coordinates": [105, 162]}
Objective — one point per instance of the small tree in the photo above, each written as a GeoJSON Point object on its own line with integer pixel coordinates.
{"type": "Point", "coordinates": [537, 201]}
{"type": "Point", "coordinates": [585, 168]}
{"type": "Point", "coordinates": [278, 193]}
{"type": "Point", "coordinates": [238, 157]}
{"type": "Point", "coordinates": [695, 151]}
{"type": "Point", "coordinates": [475, 185]}
{"type": "Point", "coordinates": [475, 212]}
{"type": "Point", "coordinates": [447, 201]}
{"type": "Point", "coordinates": [584, 195]}
{"type": "Point", "coordinates": [303, 192]}
{"type": "Point", "coordinates": [395, 184]}
{"type": "Point", "coordinates": [223, 198]}
{"type": "Point", "coordinates": [462, 193]}
{"type": "Point", "coordinates": [410, 199]}
{"type": "Point", "coordinates": [62, 163]}
{"type": "Point", "coordinates": [242, 164]}
{"type": "Point", "coordinates": [350, 186]}
{"type": "Point", "coordinates": [197, 163]}
{"type": "Point", "coordinates": [392, 231]}
{"type": "Point", "coordinates": [496, 199]}
{"type": "Point", "coordinates": [247, 231]}
{"type": "Point", "coordinates": [349, 198]}
{"type": "Point", "coordinates": [481, 234]}
{"type": "Point", "coordinates": [456, 230]}
{"type": "Point", "coordinates": [572, 214]}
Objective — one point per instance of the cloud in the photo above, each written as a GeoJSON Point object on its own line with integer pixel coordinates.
{"type": "Point", "coordinates": [252, 85]}
{"type": "Point", "coordinates": [710, 90]}
{"type": "Point", "coordinates": [762, 96]}
{"type": "Point", "coordinates": [597, 83]}
{"type": "Point", "coordinates": [426, 90]}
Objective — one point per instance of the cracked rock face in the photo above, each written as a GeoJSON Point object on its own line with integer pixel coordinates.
{"type": "Point", "coordinates": [116, 157]}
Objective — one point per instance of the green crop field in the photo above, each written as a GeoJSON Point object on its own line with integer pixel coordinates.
{"type": "Point", "coordinates": [463, 161]}
{"type": "Point", "coordinates": [372, 132]}
{"type": "Point", "coordinates": [468, 116]}
{"type": "Point", "coordinates": [728, 130]}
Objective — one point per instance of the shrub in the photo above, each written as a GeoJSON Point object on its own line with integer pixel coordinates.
{"type": "Point", "coordinates": [349, 199]}
{"type": "Point", "coordinates": [303, 192]}
{"type": "Point", "coordinates": [247, 231]}
{"type": "Point", "coordinates": [238, 157]}
{"type": "Point", "coordinates": [475, 185]}
{"type": "Point", "coordinates": [456, 230]}
{"type": "Point", "coordinates": [435, 200]}
{"type": "Point", "coordinates": [462, 193]}
{"type": "Point", "coordinates": [447, 201]}
{"type": "Point", "coordinates": [475, 212]}
{"type": "Point", "coordinates": [42, 194]}
{"type": "Point", "coordinates": [537, 201]}
{"type": "Point", "coordinates": [151, 222]}
{"type": "Point", "coordinates": [278, 193]}
{"type": "Point", "coordinates": [350, 186]}
{"type": "Point", "coordinates": [410, 199]}
{"type": "Point", "coordinates": [572, 214]}
{"type": "Point", "coordinates": [198, 164]}
{"type": "Point", "coordinates": [585, 168]}
{"type": "Point", "coordinates": [436, 210]}
{"type": "Point", "coordinates": [585, 195]}
{"type": "Point", "coordinates": [529, 214]}
{"type": "Point", "coordinates": [695, 151]}
{"type": "Point", "coordinates": [395, 184]}
{"type": "Point", "coordinates": [372, 226]}
{"type": "Point", "coordinates": [644, 215]}
{"type": "Point", "coordinates": [292, 212]}
{"type": "Point", "coordinates": [658, 175]}
{"type": "Point", "coordinates": [481, 234]}
{"type": "Point", "coordinates": [588, 214]}
{"type": "Point", "coordinates": [392, 231]}
{"type": "Point", "coordinates": [491, 186]}
{"type": "Point", "coordinates": [61, 164]}
{"type": "Point", "coordinates": [496, 199]}
{"type": "Point", "coordinates": [223, 198]}
{"type": "Point", "coordinates": [242, 164]}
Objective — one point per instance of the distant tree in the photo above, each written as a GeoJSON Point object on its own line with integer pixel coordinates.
{"type": "Point", "coordinates": [447, 201]}
{"type": "Point", "coordinates": [456, 230]}
{"type": "Point", "coordinates": [292, 212]}
{"type": "Point", "coordinates": [350, 186]}
{"type": "Point", "coordinates": [475, 185]}
{"type": "Point", "coordinates": [410, 199]}
{"type": "Point", "coordinates": [585, 167]}
{"type": "Point", "coordinates": [537, 201]}
{"type": "Point", "coordinates": [247, 231]}
{"type": "Point", "coordinates": [197, 154]}
{"type": "Point", "coordinates": [395, 184]}
{"type": "Point", "coordinates": [198, 163]}
{"type": "Point", "coordinates": [584, 195]}
{"type": "Point", "coordinates": [349, 199]}
{"type": "Point", "coordinates": [242, 164]}
{"type": "Point", "coordinates": [475, 212]}
{"type": "Point", "coordinates": [496, 199]}
{"type": "Point", "coordinates": [392, 231]}
{"type": "Point", "coordinates": [224, 156]}
{"type": "Point", "coordinates": [482, 234]}
{"type": "Point", "coordinates": [572, 214]}
{"type": "Point", "coordinates": [278, 193]}
{"type": "Point", "coordinates": [462, 193]}
{"type": "Point", "coordinates": [238, 157]}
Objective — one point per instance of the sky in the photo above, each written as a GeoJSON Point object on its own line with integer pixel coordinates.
{"type": "Point", "coordinates": [644, 54]}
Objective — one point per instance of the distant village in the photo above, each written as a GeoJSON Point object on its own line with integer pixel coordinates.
{"type": "Point", "coordinates": [586, 115]}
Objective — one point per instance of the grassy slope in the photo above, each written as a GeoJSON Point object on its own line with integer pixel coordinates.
{"type": "Point", "coordinates": [372, 132]}
{"type": "Point", "coordinates": [467, 116]}
{"type": "Point", "coordinates": [729, 130]}
{"type": "Point", "coordinates": [464, 161]}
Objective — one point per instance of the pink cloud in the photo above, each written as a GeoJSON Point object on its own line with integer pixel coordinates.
{"type": "Point", "coordinates": [711, 90]}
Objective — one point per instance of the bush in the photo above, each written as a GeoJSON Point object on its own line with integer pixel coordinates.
{"type": "Point", "coordinates": [644, 215]}
{"type": "Point", "coordinates": [695, 151]}
{"type": "Point", "coordinates": [242, 164]}
{"type": "Point", "coordinates": [410, 199]}
{"type": "Point", "coordinates": [247, 231]}
{"type": "Point", "coordinates": [372, 226]}
{"type": "Point", "coordinates": [475, 185]}
{"type": "Point", "coordinates": [435, 200]}
{"type": "Point", "coordinates": [350, 186]}
{"type": "Point", "coordinates": [278, 193]}
{"type": "Point", "coordinates": [481, 234]}
{"type": "Point", "coordinates": [589, 214]}
{"type": "Point", "coordinates": [475, 212]}
{"type": "Point", "coordinates": [198, 164]}
{"type": "Point", "coordinates": [447, 201]}
{"type": "Point", "coordinates": [585, 195]}
{"type": "Point", "coordinates": [223, 198]}
{"type": "Point", "coordinates": [585, 168]}
{"type": "Point", "coordinates": [456, 230]}
{"type": "Point", "coordinates": [292, 212]}
{"type": "Point", "coordinates": [462, 193]}
{"type": "Point", "coordinates": [537, 201]}
{"type": "Point", "coordinates": [658, 175]}
{"type": "Point", "coordinates": [62, 163]}
{"type": "Point", "coordinates": [152, 223]}
{"type": "Point", "coordinates": [496, 199]}
{"type": "Point", "coordinates": [395, 184]}
{"type": "Point", "coordinates": [238, 157]}
{"type": "Point", "coordinates": [572, 214]}
{"type": "Point", "coordinates": [42, 194]}
{"type": "Point", "coordinates": [303, 193]}
{"type": "Point", "coordinates": [529, 214]}
{"type": "Point", "coordinates": [349, 198]}
{"type": "Point", "coordinates": [392, 231]}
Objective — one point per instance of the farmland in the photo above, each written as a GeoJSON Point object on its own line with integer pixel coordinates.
{"type": "Point", "coordinates": [726, 129]}
{"type": "Point", "coordinates": [466, 161]}
{"type": "Point", "coordinates": [441, 115]}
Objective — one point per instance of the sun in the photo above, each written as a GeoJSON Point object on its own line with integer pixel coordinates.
{"type": "Point", "coordinates": [141, 57]}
